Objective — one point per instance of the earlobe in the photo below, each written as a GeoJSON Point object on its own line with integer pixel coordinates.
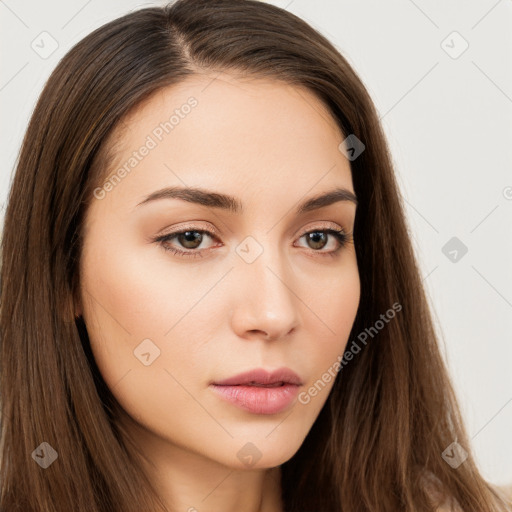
{"type": "Point", "coordinates": [77, 306]}
{"type": "Point", "coordinates": [73, 308]}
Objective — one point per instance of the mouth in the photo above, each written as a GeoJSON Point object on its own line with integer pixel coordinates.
{"type": "Point", "coordinates": [260, 385]}
{"type": "Point", "coordinates": [262, 378]}
{"type": "Point", "coordinates": [259, 391]}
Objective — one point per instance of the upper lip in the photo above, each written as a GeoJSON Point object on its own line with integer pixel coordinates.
{"type": "Point", "coordinates": [263, 377]}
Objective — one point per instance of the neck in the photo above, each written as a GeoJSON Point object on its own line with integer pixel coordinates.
{"type": "Point", "coordinates": [188, 481]}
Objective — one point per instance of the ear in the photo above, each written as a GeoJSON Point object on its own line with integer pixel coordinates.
{"type": "Point", "coordinates": [68, 312]}
{"type": "Point", "coordinates": [71, 308]}
{"type": "Point", "coordinates": [77, 308]}
{"type": "Point", "coordinates": [76, 302]}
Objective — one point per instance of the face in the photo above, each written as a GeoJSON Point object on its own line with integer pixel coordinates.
{"type": "Point", "coordinates": [181, 290]}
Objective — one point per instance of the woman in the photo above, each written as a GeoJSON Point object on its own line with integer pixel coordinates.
{"type": "Point", "coordinates": [193, 315]}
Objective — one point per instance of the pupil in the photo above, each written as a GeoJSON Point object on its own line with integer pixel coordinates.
{"type": "Point", "coordinates": [189, 239]}
{"type": "Point", "coordinates": [318, 238]}
{"type": "Point", "coordinates": [192, 239]}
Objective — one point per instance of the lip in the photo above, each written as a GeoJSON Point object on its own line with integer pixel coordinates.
{"type": "Point", "coordinates": [263, 377]}
{"type": "Point", "coordinates": [259, 391]}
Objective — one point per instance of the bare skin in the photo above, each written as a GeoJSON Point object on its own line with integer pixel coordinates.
{"type": "Point", "coordinates": [271, 146]}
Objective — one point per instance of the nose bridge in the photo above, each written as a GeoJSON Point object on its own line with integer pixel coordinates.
{"type": "Point", "coordinates": [265, 300]}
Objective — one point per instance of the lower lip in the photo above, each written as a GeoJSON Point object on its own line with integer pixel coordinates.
{"type": "Point", "coordinates": [259, 400]}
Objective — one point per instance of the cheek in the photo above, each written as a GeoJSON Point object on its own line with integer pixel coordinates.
{"type": "Point", "coordinates": [128, 309]}
{"type": "Point", "coordinates": [339, 300]}
{"type": "Point", "coordinates": [139, 289]}
{"type": "Point", "coordinates": [333, 309]}
{"type": "Point", "coordinates": [332, 297]}
{"type": "Point", "coordinates": [148, 321]}
{"type": "Point", "coordinates": [139, 296]}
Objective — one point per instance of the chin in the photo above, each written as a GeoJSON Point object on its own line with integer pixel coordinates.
{"type": "Point", "coordinates": [261, 453]}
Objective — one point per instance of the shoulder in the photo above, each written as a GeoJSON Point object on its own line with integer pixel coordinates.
{"type": "Point", "coordinates": [445, 507]}
{"type": "Point", "coordinates": [434, 488]}
{"type": "Point", "coordinates": [443, 502]}
{"type": "Point", "coordinates": [505, 491]}
{"type": "Point", "coordinates": [451, 505]}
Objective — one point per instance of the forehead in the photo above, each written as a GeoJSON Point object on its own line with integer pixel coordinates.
{"type": "Point", "coordinates": [221, 131]}
{"type": "Point", "coordinates": [222, 92]}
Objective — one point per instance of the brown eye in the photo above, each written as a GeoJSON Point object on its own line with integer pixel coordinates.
{"type": "Point", "coordinates": [317, 239]}
{"type": "Point", "coordinates": [190, 239]}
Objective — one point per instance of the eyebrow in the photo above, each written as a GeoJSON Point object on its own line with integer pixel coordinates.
{"type": "Point", "coordinates": [233, 205]}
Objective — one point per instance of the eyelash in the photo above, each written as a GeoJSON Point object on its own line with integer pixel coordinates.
{"type": "Point", "coordinates": [343, 239]}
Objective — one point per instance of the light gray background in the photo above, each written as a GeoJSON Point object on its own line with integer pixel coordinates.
{"type": "Point", "coordinates": [448, 121]}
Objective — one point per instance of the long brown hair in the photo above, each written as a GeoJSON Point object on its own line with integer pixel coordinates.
{"type": "Point", "coordinates": [392, 412]}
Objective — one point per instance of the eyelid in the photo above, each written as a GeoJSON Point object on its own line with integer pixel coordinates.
{"type": "Point", "coordinates": [195, 227]}
{"type": "Point", "coordinates": [212, 232]}
{"type": "Point", "coordinates": [191, 226]}
{"type": "Point", "coordinates": [318, 225]}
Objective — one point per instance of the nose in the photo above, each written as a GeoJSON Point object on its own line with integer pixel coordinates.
{"type": "Point", "coordinates": [265, 305]}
